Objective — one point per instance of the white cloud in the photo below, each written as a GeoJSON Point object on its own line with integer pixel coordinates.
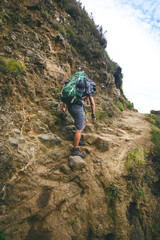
{"type": "Point", "coordinates": [133, 42]}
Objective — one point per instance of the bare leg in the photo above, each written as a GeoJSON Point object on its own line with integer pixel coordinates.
{"type": "Point", "coordinates": [75, 151]}
{"type": "Point", "coordinates": [78, 134]}
{"type": "Point", "coordinates": [77, 138]}
{"type": "Point", "coordinates": [85, 123]}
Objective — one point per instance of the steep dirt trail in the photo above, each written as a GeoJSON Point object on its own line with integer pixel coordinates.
{"type": "Point", "coordinates": [50, 199]}
{"type": "Point", "coordinates": [131, 130]}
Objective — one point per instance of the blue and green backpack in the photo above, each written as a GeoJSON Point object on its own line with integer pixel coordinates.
{"type": "Point", "coordinates": [78, 85]}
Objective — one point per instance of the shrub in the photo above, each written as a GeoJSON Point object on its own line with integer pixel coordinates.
{"type": "Point", "coordinates": [139, 166]}
{"type": "Point", "coordinates": [154, 153]}
{"type": "Point", "coordinates": [157, 121]}
{"type": "Point", "coordinates": [101, 115]}
{"type": "Point", "coordinates": [82, 33]}
{"type": "Point", "coordinates": [113, 191]}
{"type": "Point", "coordinates": [155, 135]}
{"type": "Point", "coordinates": [151, 118]}
{"type": "Point", "coordinates": [129, 105]}
{"type": "Point", "coordinates": [111, 65]}
{"type": "Point", "coordinates": [155, 149]}
{"type": "Point", "coordinates": [12, 67]}
{"type": "Point", "coordinates": [136, 163]}
{"type": "Point", "coordinates": [120, 106]}
{"type": "Point", "coordinates": [15, 66]}
{"type": "Point", "coordinates": [73, 10]}
{"type": "Point", "coordinates": [58, 27]}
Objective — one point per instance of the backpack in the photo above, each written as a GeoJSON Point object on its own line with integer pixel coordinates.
{"type": "Point", "coordinates": [78, 85]}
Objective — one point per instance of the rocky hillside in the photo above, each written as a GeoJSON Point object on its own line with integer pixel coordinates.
{"type": "Point", "coordinates": [44, 193]}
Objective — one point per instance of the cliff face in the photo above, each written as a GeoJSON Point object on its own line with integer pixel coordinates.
{"type": "Point", "coordinates": [44, 193]}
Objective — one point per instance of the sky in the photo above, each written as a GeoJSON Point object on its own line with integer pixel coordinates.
{"type": "Point", "coordinates": [133, 41]}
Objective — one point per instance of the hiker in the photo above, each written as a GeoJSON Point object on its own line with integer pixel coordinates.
{"type": "Point", "coordinates": [76, 110]}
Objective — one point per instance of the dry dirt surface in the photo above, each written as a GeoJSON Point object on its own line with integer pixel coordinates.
{"type": "Point", "coordinates": [114, 143]}
{"type": "Point", "coordinates": [50, 201]}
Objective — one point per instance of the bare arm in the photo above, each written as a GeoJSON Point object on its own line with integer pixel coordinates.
{"type": "Point", "coordinates": [92, 103]}
{"type": "Point", "coordinates": [63, 107]}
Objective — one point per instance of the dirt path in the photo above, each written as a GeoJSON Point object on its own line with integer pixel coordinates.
{"type": "Point", "coordinates": [48, 197]}
{"type": "Point", "coordinates": [131, 130]}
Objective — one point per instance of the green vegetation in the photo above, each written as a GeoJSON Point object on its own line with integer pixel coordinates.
{"type": "Point", "coordinates": [146, 165]}
{"type": "Point", "coordinates": [154, 154]}
{"type": "Point", "coordinates": [57, 27]}
{"type": "Point", "coordinates": [155, 137]}
{"type": "Point", "coordinates": [140, 194]}
{"type": "Point", "coordinates": [155, 228]}
{"type": "Point", "coordinates": [151, 118]}
{"type": "Point", "coordinates": [79, 28]}
{"type": "Point", "coordinates": [135, 161]}
{"type": "Point", "coordinates": [125, 105]}
{"type": "Point", "coordinates": [11, 67]}
{"type": "Point", "coordinates": [101, 115]}
{"type": "Point", "coordinates": [113, 191]}
{"type": "Point", "coordinates": [129, 105]}
{"type": "Point", "coordinates": [154, 119]}
{"type": "Point", "coordinates": [43, 149]}
{"type": "Point", "coordinates": [82, 33]}
{"type": "Point", "coordinates": [73, 221]}
{"type": "Point", "coordinates": [120, 106]}
{"type": "Point", "coordinates": [2, 236]}
{"type": "Point", "coordinates": [57, 89]}
{"type": "Point", "coordinates": [73, 10]}
{"type": "Point", "coordinates": [139, 166]}
{"type": "Point", "coordinates": [84, 36]}
{"type": "Point", "coordinates": [111, 66]}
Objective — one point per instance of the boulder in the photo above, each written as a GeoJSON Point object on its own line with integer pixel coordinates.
{"type": "Point", "coordinates": [102, 144]}
{"type": "Point", "coordinates": [40, 128]}
{"type": "Point", "coordinates": [49, 140]}
{"type": "Point", "coordinates": [76, 163]}
{"type": "Point", "coordinates": [50, 105]}
{"type": "Point", "coordinates": [68, 132]}
{"type": "Point", "coordinates": [14, 142]}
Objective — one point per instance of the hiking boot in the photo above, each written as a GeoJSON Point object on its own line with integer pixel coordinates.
{"type": "Point", "coordinates": [81, 143]}
{"type": "Point", "coordinates": [77, 152]}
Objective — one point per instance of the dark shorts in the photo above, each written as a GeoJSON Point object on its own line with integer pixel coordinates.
{"type": "Point", "coordinates": [77, 112]}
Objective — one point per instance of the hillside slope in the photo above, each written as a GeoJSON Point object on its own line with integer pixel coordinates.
{"type": "Point", "coordinates": [45, 194]}
{"type": "Point", "coordinates": [46, 199]}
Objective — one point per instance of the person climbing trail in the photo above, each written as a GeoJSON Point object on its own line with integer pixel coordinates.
{"type": "Point", "coordinates": [84, 88]}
